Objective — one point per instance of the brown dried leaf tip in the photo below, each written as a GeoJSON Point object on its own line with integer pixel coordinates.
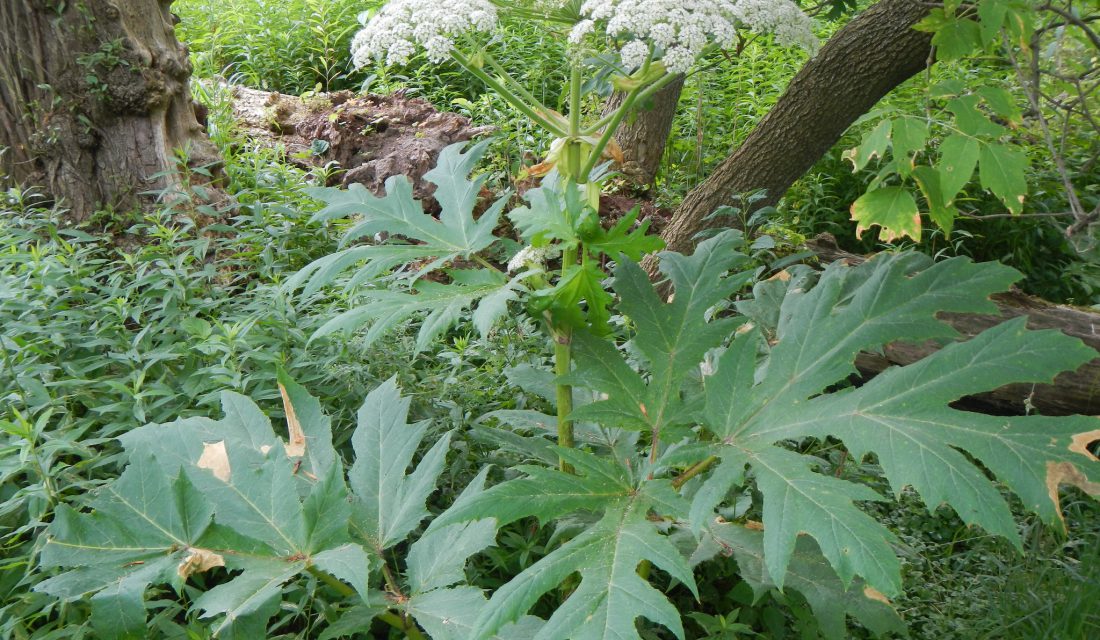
{"type": "Point", "coordinates": [199, 561]}
{"type": "Point", "coordinates": [296, 445]}
{"type": "Point", "coordinates": [1059, 473]}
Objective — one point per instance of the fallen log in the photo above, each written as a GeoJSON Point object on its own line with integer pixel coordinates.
{"type": "Point", "coordinates": [1073, 392]}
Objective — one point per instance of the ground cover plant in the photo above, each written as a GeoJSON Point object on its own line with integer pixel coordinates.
{"type": "Point", "coordinates": [553, 443]}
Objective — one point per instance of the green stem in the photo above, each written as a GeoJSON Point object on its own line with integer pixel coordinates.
{"type": "Point", "coordinates": [617, 118]}
{"type": "Point", "coordinates": [331, 581]}
{"type": "Point", "coordinates": [654, 444]}
{"type": "Point", "coordinates": [693, 471]}
{"type": "Point", "coordinates": [519, 88]}
{"type": "Point", "coordinates": [562, 363]}
{"type": "Point", "coordinates": [563, 359]}
{"type": "Point", "coordinates": [397, 622]}
{"type": "Point", "coordinates": [483, 262]}
{"type": "Point", "coordinates": [391, 581]}
{"type": "Point", "coordinates": [609, 131]}
{"type": "Point", "coordinates": [645, 94]}
{"type": "Point", "coordinates": [401, 624]}
{"type": "Point", "coordinates": [570, 168]}
{"type": "Point", "coordinates": [506, 93]}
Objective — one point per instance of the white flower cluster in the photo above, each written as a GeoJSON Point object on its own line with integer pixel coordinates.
{"type": "Point", "coordinates": [401, 25]}
{"type": "Point", "coordinates": [679, 28]}
{"type": "Point", "coordinates": [683, 28]}
{"type": "Point", "coordinates": [780, 17]}
{"type": "Point", "coordinates": [529, 255]}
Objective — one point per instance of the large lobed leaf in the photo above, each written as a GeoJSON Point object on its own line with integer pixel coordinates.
{"type": "Point", "coordinates": [200, 494]}
{"type": "Point", "coordinates": [808, 573]}
{"type": "Point", "coordinates": [145, 528]}
{"type": "Point", "coordinates": [443, 304]}
{"type": "Point", "coordinates": [611, 595]}
{"type": "Point", "coordinates": [390, 502]}
{"type": "Point", "coordinates": [774, 385]}
{"type": "Point", "coordinates": [416, 238]}
{"type": "Point", "coordinates": [902, 417]}
{"type": "Point", "coordinates": [673, 336]}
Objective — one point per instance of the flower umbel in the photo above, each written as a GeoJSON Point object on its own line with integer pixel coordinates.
{"type": "Point", "coordinates": [401, 25]}
{"type": "Point", "coordinates": [683, 28]}
{"type": "Point", "coordinates": [535, 256]}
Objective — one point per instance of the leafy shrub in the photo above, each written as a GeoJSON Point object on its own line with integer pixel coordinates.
{"type": "Point", "coordinates": [290, 47]}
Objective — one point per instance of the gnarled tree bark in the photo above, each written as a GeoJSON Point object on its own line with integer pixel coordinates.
{"type": "Point", "coordinates": [94, 100]}
{"type": "Point", "coordinates": [859, 65]}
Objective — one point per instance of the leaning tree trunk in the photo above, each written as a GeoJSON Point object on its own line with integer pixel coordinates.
{"type": "Point", "coordinates": [94, 100]}
{"type": "Point", "coordinates": [1073, 392]}
{"type": "Point", "coordinates": [857, 67]}
{"type": "Point", "coordinates": [643, 136]}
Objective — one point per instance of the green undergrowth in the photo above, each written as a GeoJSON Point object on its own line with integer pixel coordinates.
{"type": "Point", "coordinates": [1055, 268]}
{"type": "Point", "coordinates": [103, 333]}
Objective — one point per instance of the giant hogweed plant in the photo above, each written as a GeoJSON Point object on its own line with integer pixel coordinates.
{"type": "Point", "coordinates": [710, 397]}
{"type": "Point", "coordinates": [636, 46]}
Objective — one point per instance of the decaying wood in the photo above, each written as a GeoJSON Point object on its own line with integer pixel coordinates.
{"type": "Point", "coordinates": [1076, 392]}
{"type": "Point", "coordinates": [369, 137]}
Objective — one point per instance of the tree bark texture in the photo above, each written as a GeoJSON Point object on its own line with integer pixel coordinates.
{"type": "Point", "coordinates": [94, 100]}
{"type": "Point", "coordinates": [643, 136]}
{"type": "Point", "coordinates": [1073, 392]}
{"type": "Point", "coordinates": [859, 65]}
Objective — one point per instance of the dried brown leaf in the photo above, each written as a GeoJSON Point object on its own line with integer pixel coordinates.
{"type": "Point", "coordinates": [199, 561]}
{"type": "Point", "coordinates": [296, 444]}
{"type": "Point", "coordinates": [215, 458]}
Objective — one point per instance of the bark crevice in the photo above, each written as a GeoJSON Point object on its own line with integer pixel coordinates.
{"type": "Point", "coordinates": [94, 99]}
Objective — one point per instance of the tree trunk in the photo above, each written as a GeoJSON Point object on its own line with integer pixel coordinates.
{"type": "Point", "coordinates": [857, 67]}
{"type": "Point", "coordinates": [643, 136]}
{"type": "Point", "coordinates": [94, 100]}
{"type": "Point", "coordinates": [1073, 392]}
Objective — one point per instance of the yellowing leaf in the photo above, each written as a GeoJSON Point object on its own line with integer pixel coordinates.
{"type": "Point", "coordinates": [893, 209]}
{"type": "Point", "coordinates": [1059, 473]}
{"type": "Point", "coordinates": [874, 145]}
{"type": "Point", "coordinates": [215, 459]}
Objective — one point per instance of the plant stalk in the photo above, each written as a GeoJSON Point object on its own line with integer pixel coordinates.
{"type": "Point", "coordinates": [402, 624]}
{"type": "Point", "coordinates": [642, 96]}
{"type": "Point", "coordinates": [331, 581]}
{"type": "Point", "coordinates": [505, 93]}
{"type": "Point", "coordinates": [563, 356]}
{"type": "Point", "coordinates": [693, 471]}
{"type": "Point", "coordinates": [397, 622]}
